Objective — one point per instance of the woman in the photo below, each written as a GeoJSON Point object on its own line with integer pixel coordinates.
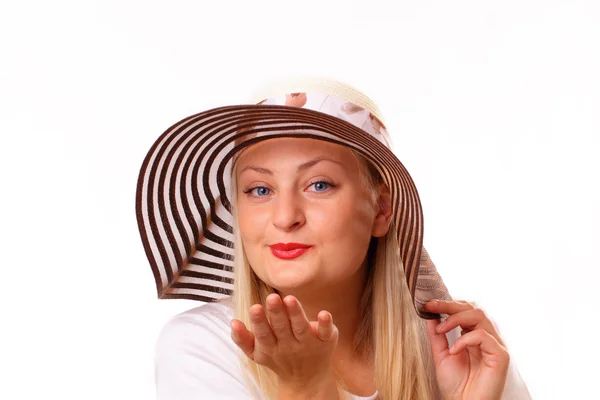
{"type": "Point", "coordinates": [330, 279]}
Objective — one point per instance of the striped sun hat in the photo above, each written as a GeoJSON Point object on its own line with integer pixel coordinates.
{"type": "Point", "coordinates": [182, 200]}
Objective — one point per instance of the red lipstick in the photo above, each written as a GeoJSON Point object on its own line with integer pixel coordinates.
{"type": "Point", "coordinates": [287, 251]}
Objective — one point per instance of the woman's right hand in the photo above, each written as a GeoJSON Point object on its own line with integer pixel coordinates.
{"type": "Point", "coordinates": [297, 350]}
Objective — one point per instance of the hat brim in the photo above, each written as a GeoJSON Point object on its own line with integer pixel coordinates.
{"type": "Point", "coordinates": [184, 212]}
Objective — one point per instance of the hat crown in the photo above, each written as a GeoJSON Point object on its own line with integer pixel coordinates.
{"type": "Point", "coordinates": [311, 84]}
{"type": "Point", "coordinates": [328, 96]}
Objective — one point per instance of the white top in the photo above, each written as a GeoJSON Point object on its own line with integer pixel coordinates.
{"type": "Point", "coordinates": [196, 359]}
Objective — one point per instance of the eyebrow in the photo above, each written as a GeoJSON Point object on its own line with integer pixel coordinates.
{"type": "Point", "coordinates": [301, 167]}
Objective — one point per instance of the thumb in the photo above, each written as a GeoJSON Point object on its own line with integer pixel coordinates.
{"type": "Point", "coordinates": [439, 341]}
{"type": "Point", "coordinates": [242, 337]}
{"type": "Point", "coordinates": [326, 329]}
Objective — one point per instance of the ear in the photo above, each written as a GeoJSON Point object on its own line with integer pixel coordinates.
{"type": "Point", "coordinates": [383, 218]}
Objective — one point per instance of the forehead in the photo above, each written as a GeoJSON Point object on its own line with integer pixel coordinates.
{"type": "Point", "coordinates": [279, 149]}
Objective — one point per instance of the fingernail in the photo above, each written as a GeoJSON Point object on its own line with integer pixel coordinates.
{"type": "Point", "coordinates": [441, 326]}
{"type": "Point", "coordinates": [289, 301]}
{"type": "Point", "coordinates": [431, 302]}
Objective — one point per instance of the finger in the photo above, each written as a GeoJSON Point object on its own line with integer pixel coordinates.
{"type": "Point", "coordinates": [261, 328]}
{"type": "Point", "coordinates": [438, 341]}
{"type": "Point", "coordinates": [242, 337]}
{"type": "Point", "coordinates": [448, 307]}
{"type": "Point", "coordinates": [300, 324]}
{"type": "Point", "coordinates": [469, 321]}
{"type": "Point", "coordinates": [492, 352]}
{"type": "Point", "coordinates": [325, 328]}
{"type": "Point", "coordinates": [280, 323]}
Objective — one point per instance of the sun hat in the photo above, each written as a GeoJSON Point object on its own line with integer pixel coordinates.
{"type": "Point", "coordinates": [182, 199]}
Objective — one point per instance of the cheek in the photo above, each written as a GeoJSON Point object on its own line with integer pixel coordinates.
{"type": "Point", "coordinates": [347, 223]}
{"type": "Point", "coordinates": [252, 224]}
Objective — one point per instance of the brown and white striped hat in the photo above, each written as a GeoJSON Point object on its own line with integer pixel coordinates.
{"type": "Point", "coordinates": [182, 200]}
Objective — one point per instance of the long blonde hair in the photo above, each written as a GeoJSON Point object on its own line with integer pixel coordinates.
{"type": "Point", "coordinates": [389, 330]}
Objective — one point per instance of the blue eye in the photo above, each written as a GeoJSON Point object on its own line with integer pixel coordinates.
{"type": "Point", "coordinates": [321, 186]}
{"type": "Point", "coordinates": [260, 191]}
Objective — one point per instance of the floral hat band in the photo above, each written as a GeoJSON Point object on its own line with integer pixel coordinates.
{"type": "Point", "coordinates": [337, 107]}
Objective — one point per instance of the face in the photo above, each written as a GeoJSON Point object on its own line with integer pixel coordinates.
{"type": "Point", "coordinates": [305, 215]}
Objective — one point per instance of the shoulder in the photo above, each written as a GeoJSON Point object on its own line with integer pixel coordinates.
{"type": "Point", "coordinates": [198, 331]}
{"type": "Point", "coordinates": [195, 356]}
{"type": "Point", "coordinates": [211, 319]}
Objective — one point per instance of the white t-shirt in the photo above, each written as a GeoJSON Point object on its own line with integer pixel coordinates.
{"type": "Point", "coordinates": [196, 359]}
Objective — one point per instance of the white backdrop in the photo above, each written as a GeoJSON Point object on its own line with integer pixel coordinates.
{"type": "Point", "coordinates": [493, 107]}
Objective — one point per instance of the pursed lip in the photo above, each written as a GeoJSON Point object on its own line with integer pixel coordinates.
{"type": "Point", "coordinates": [288, 251]}
{"type": "Point", "coordinates": [289, 246]}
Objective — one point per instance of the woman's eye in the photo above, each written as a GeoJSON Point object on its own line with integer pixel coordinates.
{"type": "Point", "coordinates": [321, 186]}
{"type": "Point", "coordinates": [260, 191]}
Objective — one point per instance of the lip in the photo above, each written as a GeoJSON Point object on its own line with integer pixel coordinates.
{"type": "Point", "coordinates": [288, 251]}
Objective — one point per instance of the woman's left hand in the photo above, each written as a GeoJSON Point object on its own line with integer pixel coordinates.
{"type": "Point", "coordinates": [477, 364]}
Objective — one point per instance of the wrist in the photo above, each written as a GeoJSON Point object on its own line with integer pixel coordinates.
{"type": "Point", "coordinates": [324, 387]}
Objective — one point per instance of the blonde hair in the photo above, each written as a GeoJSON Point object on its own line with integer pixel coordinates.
{"type": "Point", "coordinates": [389, 331]}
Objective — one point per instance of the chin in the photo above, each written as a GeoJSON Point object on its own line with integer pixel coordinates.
{"type": "Point", "coordinates": [290, 276]}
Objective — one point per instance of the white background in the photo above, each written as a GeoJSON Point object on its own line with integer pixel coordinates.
{"type": "Point", "coordinates": [493, 107]}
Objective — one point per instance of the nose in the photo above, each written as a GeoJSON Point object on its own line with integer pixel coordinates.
{"type": "Point", "coordinates": [288, 213]}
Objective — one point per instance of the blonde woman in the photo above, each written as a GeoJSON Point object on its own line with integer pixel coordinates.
{"type": "Point", "coordinates": [292, 218]}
